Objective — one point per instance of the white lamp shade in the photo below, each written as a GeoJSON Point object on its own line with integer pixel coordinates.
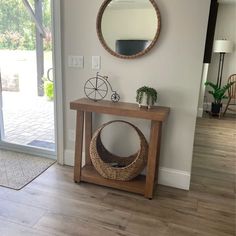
{"type": "Point", "coordinates": [223, 46]}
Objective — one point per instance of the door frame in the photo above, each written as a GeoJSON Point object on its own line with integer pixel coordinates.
{"type": "Point", "coordinates": [58, 91]}
{"type": "Point", "coordinates": [57, 64]}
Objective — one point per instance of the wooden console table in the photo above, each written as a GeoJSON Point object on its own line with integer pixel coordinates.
{"type": "Point", "coordinates": [142, 184]}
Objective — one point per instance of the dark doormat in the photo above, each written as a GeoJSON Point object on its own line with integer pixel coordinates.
{"type": "Point", "coordinates": [42, 144]}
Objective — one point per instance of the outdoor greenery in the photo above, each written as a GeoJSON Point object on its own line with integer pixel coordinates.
{"type": "Point", "coordinates": [17, 30]}
{"type": "Point", "coordinates": [48, 89]}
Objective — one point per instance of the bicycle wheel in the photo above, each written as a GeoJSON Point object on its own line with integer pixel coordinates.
{"type": "Point", "coordinates": [95, 88]}
{"type": "Point", "coordinates": [115, 97]}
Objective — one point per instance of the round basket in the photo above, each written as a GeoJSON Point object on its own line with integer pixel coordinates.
{"type": "Point", "coordinates": [115, 167]}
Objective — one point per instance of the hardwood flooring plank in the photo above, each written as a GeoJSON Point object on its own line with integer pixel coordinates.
{"type": "Point", "coordinates": [198, 223]}
{"type": "Point", "coordinates": [18, 213]}
{"type": "Point", "coordinates": [66, 225]}
{"type": "Point", "coordinates": [217, 175]}
{"type": "Point", "coordinates": [77, 208]}
{"type": "Point", "coordinates": [178, 230]}
{"type": "Point", "coordinates": [12, 229]}
{"type": "Point", "coordinates": [143, 225]}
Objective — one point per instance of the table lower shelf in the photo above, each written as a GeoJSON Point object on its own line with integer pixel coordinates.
{"type": "Point", "coordinates": [90, 175]}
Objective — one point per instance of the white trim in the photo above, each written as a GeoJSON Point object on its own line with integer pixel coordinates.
{"type": "Point", "coordinates": [169, 177]}
{"type": "Point", "coordinates": [199, 112]}
{"type": "Point", "coordinates": [174, 178]}
{"type": "Point", "coordinates": [70, 158]}
{"type": "Point", "coordinates": [57, 61]}
{"type": "Point", "coordinates": [205, 69]}
{"type": "Point", "coordinates": [27, 150]}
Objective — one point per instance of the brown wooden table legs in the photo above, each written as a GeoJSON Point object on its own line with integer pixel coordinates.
{"type": "Point", "coordinates": [88, 136]}
{"type": "Point", "coordinates": [78, 145]}
{"type": "Point", "coordinates": [153, 158]}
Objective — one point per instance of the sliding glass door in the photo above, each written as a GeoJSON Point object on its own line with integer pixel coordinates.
{"type": "Point", "coordinates": [26, 79]}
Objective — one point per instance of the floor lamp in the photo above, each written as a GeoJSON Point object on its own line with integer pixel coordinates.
{"type": "Point", "coordinates": [222, 47]}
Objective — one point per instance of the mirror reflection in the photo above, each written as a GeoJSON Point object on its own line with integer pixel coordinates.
{"type": "Point", "coordinates": [129, 27]}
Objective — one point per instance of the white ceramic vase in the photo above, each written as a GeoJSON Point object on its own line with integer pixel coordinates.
{"type": "Point", "coordinates": [144, 102]}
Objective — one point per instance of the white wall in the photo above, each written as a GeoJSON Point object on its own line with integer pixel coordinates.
{"type": "Point", "coordinates": [225, 29]}
{"type": "Point", "coordinates": [173, 67]}
{"type": "Point", "coordinates": [128, 24]}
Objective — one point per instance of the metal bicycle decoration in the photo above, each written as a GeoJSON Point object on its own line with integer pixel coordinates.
{"type": "Point", "coordinates": [96, 88]}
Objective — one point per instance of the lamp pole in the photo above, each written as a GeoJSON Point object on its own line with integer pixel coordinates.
{"type": "Point", "coordinates": [222, 46]}
{"type": "Point", "coordinates": [220, 69]}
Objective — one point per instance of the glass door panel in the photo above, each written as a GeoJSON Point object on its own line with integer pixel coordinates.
{"type": "Point", "coordinates": [27, 106]}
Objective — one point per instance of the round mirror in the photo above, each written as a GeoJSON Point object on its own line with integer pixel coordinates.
{"type": "Point", "coordinates": [128, 28]}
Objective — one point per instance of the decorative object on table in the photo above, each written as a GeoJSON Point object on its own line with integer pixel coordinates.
{"type": "Point", "coordinates": [146, 96]}
{"type": "Point", "coordinates": [222, 46]}
{"type": "Point", "coordinates": [218, 94]}
{"type": "Point", "coordinates": [114, 167]}
{"type": "Point", "coordinates": [231, 93]}
{"type": "Point", "coordinates": [48, 86]}
{"type": "Point", "coordinates": [96, 88]}
{"type": "Point", "coordinates": [128, 41]}
{"type": "Point", "coordinates": [85, 110]}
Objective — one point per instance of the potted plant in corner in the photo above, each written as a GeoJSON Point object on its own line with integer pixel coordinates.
{"type": "Point", "coordinates": [146, 96]}
{"type": "Point", "coordinates": [218, 94]}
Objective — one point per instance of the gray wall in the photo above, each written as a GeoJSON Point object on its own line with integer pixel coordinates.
{"type": "Point", "coordinates": [173, 67]}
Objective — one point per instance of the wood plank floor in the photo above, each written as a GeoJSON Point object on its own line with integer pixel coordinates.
{"type": "Point", "coordinates": [53, 205]}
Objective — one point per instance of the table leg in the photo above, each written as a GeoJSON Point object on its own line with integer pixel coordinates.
{"type": "Point", "coordinates": [88, 136]}
{"type": "Point", "coordinates": [78, 145]}
{"type": "Point", "coordinates": [153, 158]}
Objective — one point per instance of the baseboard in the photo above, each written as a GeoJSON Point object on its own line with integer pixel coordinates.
{"type": "Point", "coordinates": [199, 112]}
{"type": "Point", "coordinates": [168, 177]}
{"type": "Point", "coordinates": [174, 178]}
{"type": "Point", "coordinates": [69, 158]}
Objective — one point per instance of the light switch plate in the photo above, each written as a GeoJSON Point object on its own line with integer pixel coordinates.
{"type": "Point", "coordinates": [76, 61]}
{"type": "Point", "coordinates": [96, 62]}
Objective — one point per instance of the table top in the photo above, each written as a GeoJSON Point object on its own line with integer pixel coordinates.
{"type": "Point", "coordinates": [157, 113]}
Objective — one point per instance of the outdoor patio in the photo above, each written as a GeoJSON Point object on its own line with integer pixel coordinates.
{"type": "Point", "coordinates": [27, 118]}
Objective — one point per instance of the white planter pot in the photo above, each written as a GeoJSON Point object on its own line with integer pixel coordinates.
{"type": "Point", "coordinates": [144, 102]}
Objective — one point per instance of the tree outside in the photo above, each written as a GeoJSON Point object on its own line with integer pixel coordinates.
{"type": "Point", "coordinates": [17, 31]}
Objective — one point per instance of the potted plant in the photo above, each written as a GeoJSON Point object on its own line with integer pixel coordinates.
{"type": "Point", "coordinates": [218, 94]}
{"type": "Point", "coordinates": [48, 85]}
{"type": "Point", "coordinates": [146, 96]}
{"type": "Point", "coordinates": [48, 88]}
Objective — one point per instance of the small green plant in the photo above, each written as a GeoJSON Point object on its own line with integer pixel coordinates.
{"type": "Point", "coordinates": [217, 92]}
{"type": "Point", "coordinates": [48, 89]}
{"type": "Point", "coordinates": [151, 95]}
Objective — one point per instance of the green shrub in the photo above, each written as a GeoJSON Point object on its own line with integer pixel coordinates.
{"type": "Point", "coordinates": [11, 40]}
{"type": "Point", "coordinates": [17, 30]}
{"type": "Point", "coordinates": [49, 89]}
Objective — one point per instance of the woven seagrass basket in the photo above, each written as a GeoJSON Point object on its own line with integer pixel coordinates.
{"type": "Point", "coordinates": [114, 167]}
